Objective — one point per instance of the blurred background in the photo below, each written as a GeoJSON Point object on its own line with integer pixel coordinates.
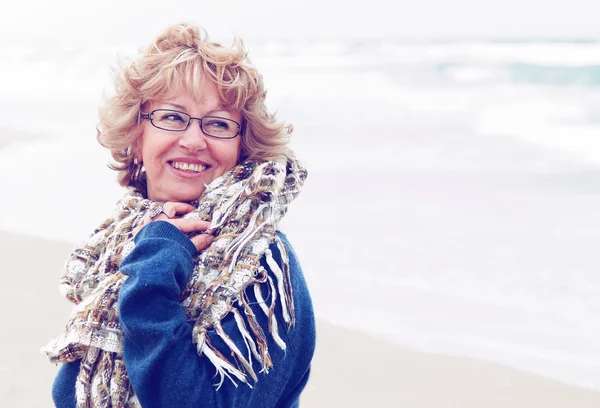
{"type": "Point", "coordinates": [453, 154]}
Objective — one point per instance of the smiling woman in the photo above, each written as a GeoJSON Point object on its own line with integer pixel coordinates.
{"type": "Point", "coordinates": [185, 72]}
{"type": "Point", "coordinates": [179, 159]}
{"type": "Point", "coordinates": [190, 278]}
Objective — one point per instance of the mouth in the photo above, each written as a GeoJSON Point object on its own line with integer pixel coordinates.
{"type": "Point", "coordinates": [188, 167]}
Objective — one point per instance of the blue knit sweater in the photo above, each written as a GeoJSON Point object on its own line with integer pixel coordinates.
{"type": "Point", "coordinates": [161, 360]}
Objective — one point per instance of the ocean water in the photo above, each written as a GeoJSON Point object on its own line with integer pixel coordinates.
{"type": "Point", "coordinates": [453, 195]}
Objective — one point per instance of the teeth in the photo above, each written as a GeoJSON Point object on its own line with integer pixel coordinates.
{"type": "Point", "coordinates": [197, 168]}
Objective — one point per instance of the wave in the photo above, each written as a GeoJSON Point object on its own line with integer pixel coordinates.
{"type": "Point", "coordinates": [522, 73]}
{"type": "Point", "coordinates": [555, 75]}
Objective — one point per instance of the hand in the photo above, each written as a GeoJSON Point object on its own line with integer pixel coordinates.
{"type": "Point", "coordinates": [172, 212]}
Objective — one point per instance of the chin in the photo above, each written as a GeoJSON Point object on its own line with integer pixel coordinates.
{"type": "Point", "coordinates": [177, 195]}
{"type": "Point", "coordinates": [186, 196]}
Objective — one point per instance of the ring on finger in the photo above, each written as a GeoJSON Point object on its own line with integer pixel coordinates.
{"type": "Point", "coordinates": [167, 210]}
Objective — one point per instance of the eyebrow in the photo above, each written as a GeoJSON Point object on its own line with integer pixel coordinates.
{"type": "Point", "coordinates": [175, 105]}
{"type": "Point", "coordinates": [219, 108]}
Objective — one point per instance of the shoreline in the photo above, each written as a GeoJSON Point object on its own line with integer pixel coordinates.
{"type": "Point", "coordinates": [351, 368]}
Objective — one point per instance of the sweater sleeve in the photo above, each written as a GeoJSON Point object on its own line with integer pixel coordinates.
{"type": "Point", "coordinates": [160, 357]}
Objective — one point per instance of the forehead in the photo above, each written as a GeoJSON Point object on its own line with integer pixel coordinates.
{"type": "Point", "coordinates": [183, 96]}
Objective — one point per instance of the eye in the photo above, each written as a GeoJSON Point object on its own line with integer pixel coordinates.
{"type": "Point", "coordinates": [166, 116]}
{"type": "Point", "coordinates": [218, 124]}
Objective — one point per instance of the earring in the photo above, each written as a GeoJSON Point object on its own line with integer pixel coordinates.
{"type": "Point", "coordinates": [137, 171]}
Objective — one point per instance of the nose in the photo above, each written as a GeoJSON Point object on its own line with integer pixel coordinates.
{"type": "Point", "coordinates": [193, 139]}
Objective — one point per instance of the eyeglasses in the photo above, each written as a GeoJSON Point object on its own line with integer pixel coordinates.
{"type": "Point", "coordinates": [175, 121]}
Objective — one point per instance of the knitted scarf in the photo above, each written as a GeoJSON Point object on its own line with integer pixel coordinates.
{"type": "Point", "coordinates": [244, 207]}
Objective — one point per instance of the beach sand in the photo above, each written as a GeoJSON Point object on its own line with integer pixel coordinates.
{"type": "Point", "coordinates": [351, 369]}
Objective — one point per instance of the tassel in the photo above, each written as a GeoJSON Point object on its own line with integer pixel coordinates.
{"type": "Point", "coordinates": [200, 337]}
{"type": "Point", "coordinates": [279, 275]}
{"type": "Point", "coordinates": [235, 350]}
{"type": "Point", "coordinates": [258, 332]}
{"type": "Point", "coordinates": [269, 312]}
{"type": "Point", "coordinates": [287, 281]}
{"type": "Point", "coordinates": [247, 338]}
{"type": "Point", "coordinates": [224, 369]}
{"type": "Point", "coordinates": [261, 300]}
{"type": "Point", "coordinates": [240, 241]}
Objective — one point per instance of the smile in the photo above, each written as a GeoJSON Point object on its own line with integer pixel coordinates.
{"type": "Point", "coordinates": [191, 167]}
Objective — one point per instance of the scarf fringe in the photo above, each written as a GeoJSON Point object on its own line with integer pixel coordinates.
{"type": "Point", "coordinates": [261, 354]}
{"type": "Point", "coordinates": [250, 344]}
{"type": "Point", "coordinates": [239, 243]}
{"type": "Point", "coordinates": [223, 367]}
{"type": "Point", "coordinates": [280, 285]}
{"type": "Point", "coordinates": [269, 312]}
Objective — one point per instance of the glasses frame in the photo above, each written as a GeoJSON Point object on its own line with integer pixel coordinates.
{"type": "Point", "coordinates": [148, 116]}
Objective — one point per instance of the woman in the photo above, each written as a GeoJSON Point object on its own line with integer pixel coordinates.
{"type": "Point", "coordinates": [188, 295]}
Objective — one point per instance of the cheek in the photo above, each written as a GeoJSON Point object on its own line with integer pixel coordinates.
{"type": "Point", "coordinates": [152, 146]}
{"type": "Point", "coordinates": [146, 146]}
{"type": "Point", "coordinates": [230, 154]}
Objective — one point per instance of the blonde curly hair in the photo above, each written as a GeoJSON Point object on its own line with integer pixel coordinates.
{"type": "Point", "coordinates": [179, 59]}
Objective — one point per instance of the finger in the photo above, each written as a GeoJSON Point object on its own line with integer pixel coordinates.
{"type": "Point", "coordinates": [188, 225]}
{"type": "Point", "coordinates": [202, 241]}
{"type": "Point", "coordinates": [173, 208]}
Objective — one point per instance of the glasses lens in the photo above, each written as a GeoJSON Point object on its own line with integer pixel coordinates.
{"type": "Point", "coordinates": [220, 127]}
{"type": "Point", "coordinates": [169, 119]}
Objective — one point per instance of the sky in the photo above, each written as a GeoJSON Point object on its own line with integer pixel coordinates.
{"type": "Point", "coordinates": [111, 20]}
